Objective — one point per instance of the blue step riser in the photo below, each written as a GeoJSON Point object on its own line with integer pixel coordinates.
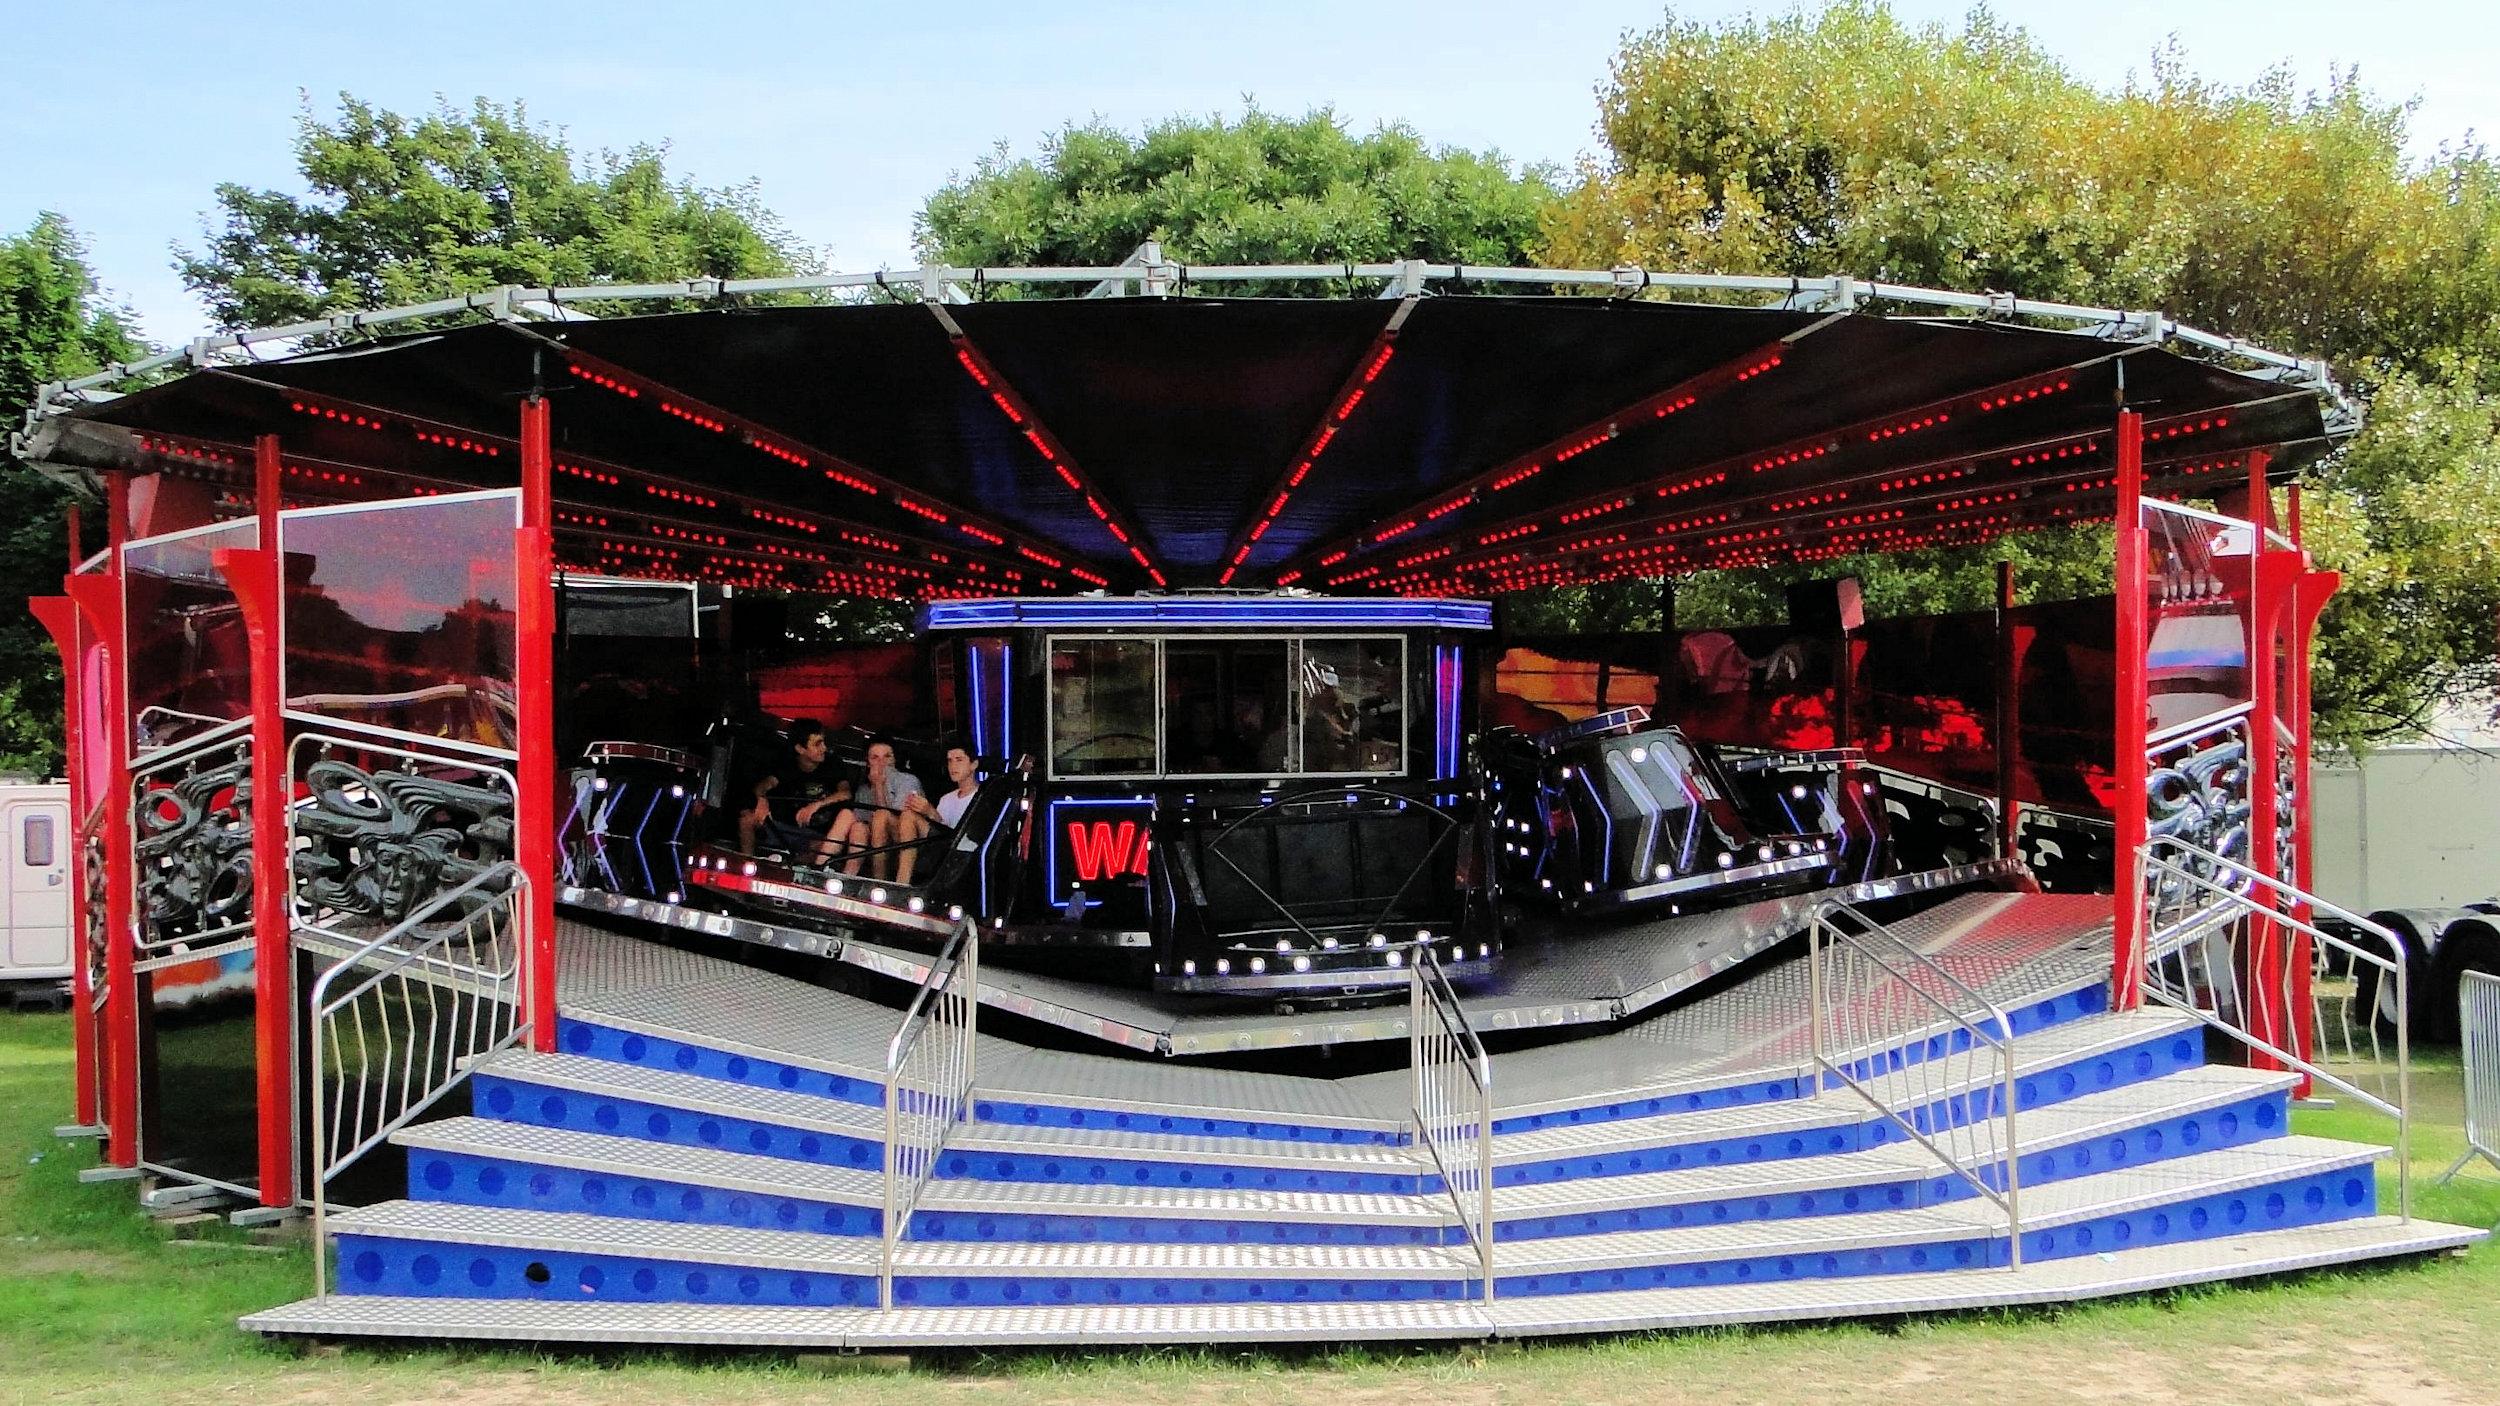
{"type": "Point", "coordinates": [597, 1041]}
{"type": "Point", "coordinates": [2050, 1011]}
{"type": "Point", "coordinates": [388, 1265]}
{"type": "Point", "coordinates": [683, 1057]}
{"type": "Point", "coordinates": [448, 1269]}
{"type": "Point", "coordinates": [513, 1100]}
{"type": "Point", "coordinates": [462, 1179]}
{"type": "Point", "coordinates": [2135, 1064]}
{"type": "Point", "coordinates": [471, 1180]}
{"type": "Point", "coordinates": [2251, 1120]}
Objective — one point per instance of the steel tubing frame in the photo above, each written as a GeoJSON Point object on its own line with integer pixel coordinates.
{"type": "Point", "coordinates": [1452, 1101]}
{"type": "Point", "coordinates": [1894, 1003]}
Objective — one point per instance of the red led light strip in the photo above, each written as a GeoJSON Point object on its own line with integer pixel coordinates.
{"type": "Point", "coordinates": [784, 449]}
{"type": "Point", "coordinates": [1563, 448]}
{"type": "Point", "coordinates": [1019, 413]}
{"type": "Point", "coordinates": [1374, 360]}
{"type": "Point", "coordinates": [2075, 451]}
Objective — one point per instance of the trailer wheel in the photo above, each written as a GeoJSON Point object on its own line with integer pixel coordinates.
{"type": "Point", "coordinates": [2468, 945]}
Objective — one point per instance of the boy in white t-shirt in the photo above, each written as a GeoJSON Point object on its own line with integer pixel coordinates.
{"type": "Point", "coordinates": [966, 774]}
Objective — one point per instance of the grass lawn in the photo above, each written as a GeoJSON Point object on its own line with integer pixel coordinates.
{"type": "Point", "coordinates": [98, 1306]}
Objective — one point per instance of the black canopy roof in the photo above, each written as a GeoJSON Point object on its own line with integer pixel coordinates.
{"type": "Point", "coordinates": [1456, 444]}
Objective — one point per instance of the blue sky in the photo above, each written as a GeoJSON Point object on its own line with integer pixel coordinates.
{"type": "Point", "coordinates": [848, 116]}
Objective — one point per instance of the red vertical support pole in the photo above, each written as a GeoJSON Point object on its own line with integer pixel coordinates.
{"type": "Point", "coordinates": [59, 616]}
{"type": "Point", "coordinates": [2009, 714]}
{"type": "Point", "coordinates": [257, 579]}
{"type": "Point", "coordinates": [2307, 600]}
{"type": "Point", "coordinates": [2269, 996]}
{"type": "Point", "coordinates": [534, 807]}
{"type": "Point", "coordinates": [2127, 944]}
{"type": "Point", "coordinates": [121, 979]}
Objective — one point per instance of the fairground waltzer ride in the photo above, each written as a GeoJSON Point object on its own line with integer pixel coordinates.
{"type": "Point", "coordinates": [1216, 919]}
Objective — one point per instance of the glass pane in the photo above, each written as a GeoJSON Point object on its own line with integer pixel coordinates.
{"type": "Point", "coordinates": [37, 841]}
{"type": "Point", "coordinates": [1353, 706]}
{"type": "Point", "coordinates": [1102, 707]}
{"type": "Point", "coordinates": [401, 615]}
{"type": "Point", "coordinates": [190, 665]}
{"type": "Point", "coordinates": [1225, 706]}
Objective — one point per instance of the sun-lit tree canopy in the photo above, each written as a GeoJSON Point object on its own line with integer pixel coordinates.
{"type": "Point", "coordinates": [1846, 141]}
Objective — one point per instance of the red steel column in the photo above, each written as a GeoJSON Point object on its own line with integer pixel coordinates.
{"type": "Point", "coordinates": [534, 817]}
{"type": "Point", "coordinates": [2263, 959]}
{"type": "Point", "coordinates": [2307, 600]}
{"type": "Point", "coordinates": [100, 596]}
{"type": "Point", "coordinates": [255, 575]}
{"type": "Point", "coordinates": [2127, 946]}
{"type": "Point", "coordinates": [2009, 712]}
{"type": "Point", "coordinates": [59, 616]}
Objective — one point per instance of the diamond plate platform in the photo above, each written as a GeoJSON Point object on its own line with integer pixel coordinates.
{"type": "Point", "coordinates": [2011, 948]}
{"type": "Point", "coordinates": [1556, 973]}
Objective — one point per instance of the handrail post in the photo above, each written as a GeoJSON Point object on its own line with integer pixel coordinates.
{"type": "Point", "coordinates": [1484, 1166]}
{"type": "Point", "coordinates": [2013, 1158]}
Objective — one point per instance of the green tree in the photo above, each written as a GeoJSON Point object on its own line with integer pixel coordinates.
{"type": "Point", "coordinates": [405, 210]}
{"type": "Point", "coordinates": [1846, 141]}
{"type": "Point", "coordinates": [1263, 189]}
{"type": "Point", "coordinates": [54, 324]}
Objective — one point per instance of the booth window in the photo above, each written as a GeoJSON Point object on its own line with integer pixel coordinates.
{"type": "Point", "coordinates": [1102, 707]}
{"type": "Point", "coordinates": [1227, 707]}
{"type": "Point", "coordinates": [1353, 706]}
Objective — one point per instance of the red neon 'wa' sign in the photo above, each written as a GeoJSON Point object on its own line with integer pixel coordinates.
{"type": "Point", "coordinates": [1105, 849]}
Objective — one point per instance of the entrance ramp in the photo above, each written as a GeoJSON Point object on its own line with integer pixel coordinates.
{"type": "Point", "coordinates": [702, 1163]}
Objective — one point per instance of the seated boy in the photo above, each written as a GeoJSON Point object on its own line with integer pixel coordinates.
{"type": "Point", "coordinates": [796, 812]}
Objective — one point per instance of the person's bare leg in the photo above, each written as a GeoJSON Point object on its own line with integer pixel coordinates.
{"type": "Point", "coordinates": [910, 830]}
{"type": "Point", "coordinates": [748, 821]}
{"type": "Point", "coordinates": [843, 838]}
{"type": "Point", "coordinates": [881, 834]}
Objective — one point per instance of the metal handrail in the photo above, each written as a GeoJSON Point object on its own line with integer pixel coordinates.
{"type": "Point", "coordinates": [417, 1057]}
{"type": "Point", "coordinates": [1453, 1101]}
{"type": "Point", "coordinates": [949, 999]}
{"type": "Point", "coordinates": [1880, 1006]}
{"type": "Point", "coordinates": [2478, 1025]}
{"type": "Point", "coordinates": [2184, 972]}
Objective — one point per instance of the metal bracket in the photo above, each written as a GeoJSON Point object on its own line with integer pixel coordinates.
{"type": "Point", "coordinates": [181, 1193]}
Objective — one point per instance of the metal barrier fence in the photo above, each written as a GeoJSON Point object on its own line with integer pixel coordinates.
{"type": "Point", "coordinates": [928, 1084]}
{"type": "Point", "coordinates": [1929, 1053]}
{"type": "Point", "coordinates": [2219, 944]}
{"type": "Point", "coordinates": [396, 1022]}
{"type": "Point", "coordinates": [2478, 1021]}
{"type": "Point", "coordinates": [1453, 1101]}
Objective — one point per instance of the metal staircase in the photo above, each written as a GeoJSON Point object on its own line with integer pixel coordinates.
{"type": "Point", "coordinates": [706, 1162]}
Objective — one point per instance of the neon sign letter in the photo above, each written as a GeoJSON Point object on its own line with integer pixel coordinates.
{"type": "Point", "coordinates": [1103, 849]}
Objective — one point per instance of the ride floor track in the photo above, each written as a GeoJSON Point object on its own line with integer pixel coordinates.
{"type": "Point", "coordinates": [700, 1165]}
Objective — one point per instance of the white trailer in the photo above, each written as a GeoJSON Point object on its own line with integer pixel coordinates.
{"type": "Point", "coordinates": [35, 949]}
{"type": "Point", "coordinates": [2411, 836]}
